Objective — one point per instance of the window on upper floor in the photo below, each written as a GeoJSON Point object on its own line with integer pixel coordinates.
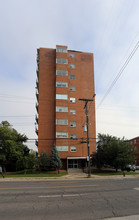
{"type": "Point", "coordinates": [62, 61]}
{"type": "Point", "coordinates": [72, 76]}
{"type": "Point", "coordinates": [71, 55]}
{"type": "Point", "coordinates": [61, 109]}
{"type": "Point", "coordinates": [61, 148]}
{"type": "Point", "coordinates": [61, 50]}
{"type": "Point", "coordinates": [62, 72]}
{"type": "Point", "coordinates": [61, 122]}
{"type": "Point", "coordinates": [72, 66]}
{"type": "Point", "coordinates": [72, 149]}
{"type": "Point", "coordinates": [62, 84]}
{"type": "Point", "coordinates": [72, 111]}
{"type": "Point", "coordinates": [73, 136]}
{"type": "Point", "coordinates": [73, 100]}
{"type": "Point", "coordinates": [72, 123]}
{"type": "Point", "coordinates": [61, 96]}
{"type": "Point", "coordinates": [72, 88]}
{"type": "Point", "coordinates": [61, 134]}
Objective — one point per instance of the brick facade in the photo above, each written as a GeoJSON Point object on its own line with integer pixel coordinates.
{"type": "Point", "coordinates": [75, 79]}
{"type": "Point", "coordinates": [135, 143]}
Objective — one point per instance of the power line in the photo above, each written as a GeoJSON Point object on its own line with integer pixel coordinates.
{"type": "Point", "coordinates": [120, 73]}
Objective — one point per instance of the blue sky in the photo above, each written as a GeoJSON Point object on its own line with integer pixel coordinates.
{"type": "Point", "coordinates": [107, 28]}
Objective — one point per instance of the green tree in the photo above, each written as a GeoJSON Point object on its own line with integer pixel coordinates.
{"type": "Point", "coordinates": [44, 161]}
{"type": "Point", "coordinates": [113, 151]}
{"type": "Point", "coordinates": [27, 162]}
{"type": "Point", "coordinates": [55, 161]}
{"type": "Point", "coordinates": [12, 146]}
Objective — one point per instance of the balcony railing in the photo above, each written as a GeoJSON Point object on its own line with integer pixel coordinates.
{"type": "Point", "coordinates": [36, 130]}
{"type": "Point", "coordinates": [37, 84]}
{"type": "Point", "coordinates": [37, 72]}
{"type": "Point", "coordinates": [37, 95]}
{"type": "Point", "coordinates": [36, 118]}
{"type": "Point", "coordinates": [37, 107]}
{"type": "Point", "coordinates": [36, 143]}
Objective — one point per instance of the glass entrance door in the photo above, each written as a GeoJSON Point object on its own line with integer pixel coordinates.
{"type": "Point", "coordinates": [72, 163]}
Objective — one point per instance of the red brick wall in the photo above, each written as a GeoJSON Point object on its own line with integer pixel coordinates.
{"type": "Point", "coordinates": [47, 79]}
{"type": "Point", "coordinates": [135, 143]}
{"type": "Point", "coordinates": [84, 83]}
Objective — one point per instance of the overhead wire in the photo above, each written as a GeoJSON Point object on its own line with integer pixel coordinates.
{"type": "Point", "coordinates": [119, 73]}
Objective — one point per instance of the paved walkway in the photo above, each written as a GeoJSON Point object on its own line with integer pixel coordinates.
{"type": "Point", "coordinates": [71, 176]}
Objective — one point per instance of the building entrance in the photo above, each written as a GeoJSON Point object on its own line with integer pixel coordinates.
{"type": "Point", "coordinates": [72, 163]}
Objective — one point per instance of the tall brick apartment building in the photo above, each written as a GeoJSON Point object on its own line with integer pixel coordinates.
{"type": "Point", "coordinates": [64, 76]}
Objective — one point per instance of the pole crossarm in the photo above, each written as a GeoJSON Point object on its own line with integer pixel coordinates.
{"type": "Point", "coordinates": [86, 100]}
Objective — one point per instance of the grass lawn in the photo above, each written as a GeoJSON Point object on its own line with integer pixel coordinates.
{"type": "Point", "coordinates": [17, 174]}
{"type": "Point", "coordinates": [112, 172]}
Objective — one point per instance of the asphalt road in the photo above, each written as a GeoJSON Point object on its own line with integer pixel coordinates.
{"type": "Point", "coordinates": [69, 199]}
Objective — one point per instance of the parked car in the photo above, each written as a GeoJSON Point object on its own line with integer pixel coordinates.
{"type": "Point", "coordinates": [130, 167]}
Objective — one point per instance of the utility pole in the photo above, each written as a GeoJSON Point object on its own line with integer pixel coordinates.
{"type": "Point", "coordinates": [87, 124]}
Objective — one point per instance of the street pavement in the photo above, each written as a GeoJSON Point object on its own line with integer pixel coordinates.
{"type": "Point", "coordinates": [112, 198]}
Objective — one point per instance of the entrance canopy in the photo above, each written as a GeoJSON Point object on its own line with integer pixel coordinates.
{"type": "Point", "coordinates": [76, 162]}
{"type": "Point", "coordinates": [76, 158]}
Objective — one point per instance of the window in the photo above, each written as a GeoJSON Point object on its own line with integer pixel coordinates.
{"type": "Point", "coordinates": [72, 66]}
{"type": "Point", "coordinates": [62, 61]}
{"type": "Point", "coordinates": [72, 76]}
{"type": "Point", "coordinates": [72, 136]}
{"type": "Point", "coordinates": [73, 100]}
{"type": "Point", "coordinates": [61, 148]}
{"type": "Point", "coordinates": [72, 111]}
{"type": "Point", "coordinates": [62, 84]}
{"type": "Point", "coordinates": [62, 72]}
{"type": "Point", "coordinates": [61, 134]}
{"type": "Point", "coordinates": [73, 124]}
{"type": "Point", "coordinates": [61, 109]}
{"type": "Point", "coordinates": [72, 55]}
{"type": "Point", "coordinates": [135, 141]}
{"type": "Point", "coordinates": [61, 96]}
{"type": "Point", "coordinates": [61, 50]}
{"type": "Point", "coordinates": [72, 149]}
{"type": "Point", "coordinates": [61, 122]}
{"type": "Point", "coordinates": [72, 88]}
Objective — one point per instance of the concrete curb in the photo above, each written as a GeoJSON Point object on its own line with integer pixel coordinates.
{"type": "Point", "coordinates": [67, 177]}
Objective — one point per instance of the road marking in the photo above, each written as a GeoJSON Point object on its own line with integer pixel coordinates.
{"type": "Point", "coordinates": [136, 188]}
{"type": "Point", "coordinates": [52, 196]}
{"type": "Point", "coordinates": [68, 195]}
{"type": "Point", "coordinates": [48, 187]}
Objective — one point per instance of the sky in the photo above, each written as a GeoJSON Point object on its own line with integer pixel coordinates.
{"type": "Point", "coordinates": [107, 28]}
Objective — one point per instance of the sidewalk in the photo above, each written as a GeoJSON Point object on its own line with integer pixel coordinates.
{"type": "Point", "coordinates": [71, 176]}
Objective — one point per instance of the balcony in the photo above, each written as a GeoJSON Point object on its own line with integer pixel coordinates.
{"type": "Point", "coordinates": [37, 84]}
{"type": "Point", "coordinates": [37, 72]}
{"type": "Point", "coordinates": [37, 56]}
{"type": "Point", "coordinates": [37, 95]}
{"type": "Point", "coordinates": [36, 130]}
{"type": "Point", "coordinates": [37, 107]}
{"type": "Point", "coordinates": [36, 117]}
{"type": "Point", "coordinates": [36, 143]}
